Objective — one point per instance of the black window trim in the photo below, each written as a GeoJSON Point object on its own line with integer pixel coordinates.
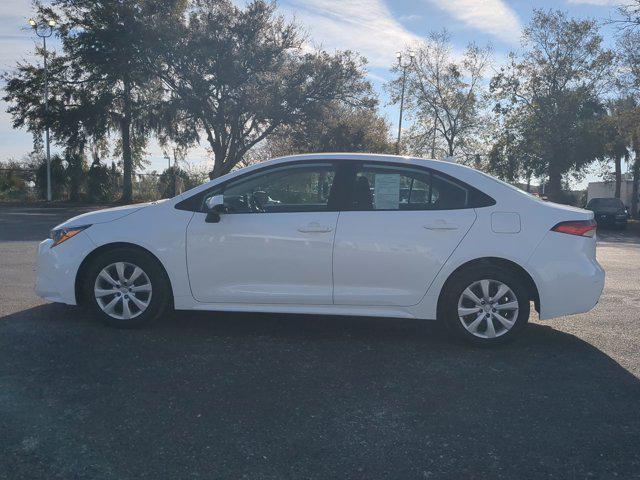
{"type": "Point", "coordinates": [345, 171]}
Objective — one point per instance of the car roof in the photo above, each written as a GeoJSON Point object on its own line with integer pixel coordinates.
{"type": "Point", "coordinates": [461, 172]}
{"type": "Point", "coordinates": [371, 157]}
{"type": "Point", "coordinates": [442, 165]}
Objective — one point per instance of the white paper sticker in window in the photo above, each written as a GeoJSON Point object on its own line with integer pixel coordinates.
{"type": "Point", "coordinates": [387, 191]}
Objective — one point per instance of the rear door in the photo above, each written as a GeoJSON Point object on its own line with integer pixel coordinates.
{"type": "Point", "coordinates": [400, 226]}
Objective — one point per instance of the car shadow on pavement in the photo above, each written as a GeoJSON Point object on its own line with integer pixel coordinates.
{"type": "Point", "coordinates": [287, 396]}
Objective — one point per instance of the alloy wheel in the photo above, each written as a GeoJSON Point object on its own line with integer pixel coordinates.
{"type": "Point", "coordinates": [488, 308]}
{"type": "Point", "coordinates": [122, 290]}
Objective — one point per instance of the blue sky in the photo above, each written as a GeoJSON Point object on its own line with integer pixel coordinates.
{"type": "Point", "coordinates": [375, 28]}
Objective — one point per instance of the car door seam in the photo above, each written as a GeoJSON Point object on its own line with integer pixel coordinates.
{"type": "Point", "coordinates": [475, 218]}
{"type": "Point", "coordinates": [186, 254]}
{"type": "Point", "coordinates": [333, 251]}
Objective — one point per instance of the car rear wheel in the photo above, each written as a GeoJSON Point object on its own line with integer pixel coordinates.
{"type": "Point", "coordinates": [126, 288]}
{"type": "Point", "coordinates": [486, 306]}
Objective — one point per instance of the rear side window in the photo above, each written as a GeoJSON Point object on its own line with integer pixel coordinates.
{"type": "Point", "coordinates": [382, 187]}
{"type": "Point", "coordinates": [447, 195]}
{"type": "Point", "coordinates": [389, 188]}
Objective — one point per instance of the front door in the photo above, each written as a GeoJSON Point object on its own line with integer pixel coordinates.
{"type": "Point", "coordinates": [402, 225]}
{"type": "Point", "coordinates": [273, 245]}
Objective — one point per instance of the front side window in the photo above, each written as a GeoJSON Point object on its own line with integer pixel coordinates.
{"type": "Point", "coordinates": [379, 187]}
{"type": "Point", "coordinates": [299, 188]}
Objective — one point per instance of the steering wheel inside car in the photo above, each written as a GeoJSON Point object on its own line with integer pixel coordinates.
{"type": "Point", "coordinates": [256, 201]}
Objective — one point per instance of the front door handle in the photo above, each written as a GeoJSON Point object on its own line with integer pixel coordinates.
{"type": "Point", "coordinates": [441, 225]}
{"type": "Point", "coordinates": [315, 227]}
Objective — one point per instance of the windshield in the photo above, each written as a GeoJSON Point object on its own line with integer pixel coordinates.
{"type": "Point", "coordinates": [605, 203]}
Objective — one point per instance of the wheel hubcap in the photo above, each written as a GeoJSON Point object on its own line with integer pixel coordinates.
{"type": "Point", "coordinates": [488, 308]}
{"type": "Point", "coordinates": [122, 290]}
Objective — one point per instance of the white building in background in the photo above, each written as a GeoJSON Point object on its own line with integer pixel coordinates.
{"type": "Point", "coordinates": [608, 189]}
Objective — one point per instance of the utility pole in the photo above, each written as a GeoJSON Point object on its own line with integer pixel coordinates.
{"type": "Point", "coordinates": [44, 31]}
{"type": "Point", "coordinates": [403, 66]}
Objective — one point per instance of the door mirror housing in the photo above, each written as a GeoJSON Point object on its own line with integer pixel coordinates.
{"type": "Point", "coordinates": [214, 206]}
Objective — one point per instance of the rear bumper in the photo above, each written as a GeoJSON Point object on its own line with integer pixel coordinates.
{"type": "Point", "coordinates": [569, 278]}
{"type": "Point", "coordinates": [56, 268]}
{"type": "Point", "coordinates": [610, 220]}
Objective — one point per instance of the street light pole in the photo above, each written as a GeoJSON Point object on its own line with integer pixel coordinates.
{"type": "Point", "coordinates": [44, 31]}
{"type": "Point", "coordinates": [403, 66]}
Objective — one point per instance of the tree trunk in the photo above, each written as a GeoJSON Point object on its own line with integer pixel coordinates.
{"type": "Point", "coordinates": [218, 164]}
{"type": "Point", "coordinates": [127, 158]}
{"type": "Point", "coordinates": [636, 177]}
{"type": "Point", "coordinates": [618, 170]}
{"type": "Point", "coordinates": [554, 184]}
{"type": "Point", "coordinates": [74, 174]}
{"type": "Point", "coordinates": [218, 153]}
{"type": "Point", "coordinates": [450, 147]}
{"type": "Point", "coordinates": [75, 169]}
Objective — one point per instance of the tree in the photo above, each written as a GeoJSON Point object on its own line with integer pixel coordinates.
{"type": "Point", "coordinates": [238, 75]}
{"type": "Point", "coordinates": [337, 128]}
{"type": "Point", "coordinates": [630, 12]}
{"type": "Point", "coordinates": [102, 83]}
{"type": "Point", "coordinates": [59, 180]}
{"type": "Point", "coordinates": [614, 126]}
{"type": "Point", "coordinates": [555, 85]}
{"type": "Point", "coordinates": [512, 155]}
{"type": "Point", "coordinates": [629, 53]}
{"type": "Point", "coordinates": [111, 44]}
{"type": "Point", "coordinates": [444, 95]}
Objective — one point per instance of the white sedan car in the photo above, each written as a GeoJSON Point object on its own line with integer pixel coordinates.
{"type": "Point", "coordinates": [338, 234]}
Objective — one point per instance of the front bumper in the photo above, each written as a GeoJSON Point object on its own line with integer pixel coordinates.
{"type": "Point", "coordinates": [56, 268]}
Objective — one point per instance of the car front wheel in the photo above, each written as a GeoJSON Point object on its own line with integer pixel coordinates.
{"type": "Point", "coordinates": [126, 288]}
{"type": "Point", "coordinates": [486, 305]}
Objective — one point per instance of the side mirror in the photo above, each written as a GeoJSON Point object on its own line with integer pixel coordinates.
{"type": "Point", "coordinates": [214, 206]}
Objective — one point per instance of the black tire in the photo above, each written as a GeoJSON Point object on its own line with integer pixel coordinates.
{"type": "Point", "coordinates": [158, 299]}
{"type": "Point", "coordinates": [457, 285]}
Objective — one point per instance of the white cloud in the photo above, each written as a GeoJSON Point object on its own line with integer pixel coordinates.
{"type": "Point", "coordinates": [494, 17]}
{"type": "Point", "coordinates": [410, 18]}
{"type": "Point", "coordinates": [365, 26]}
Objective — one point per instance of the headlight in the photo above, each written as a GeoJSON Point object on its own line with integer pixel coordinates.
{"type": "Point", "coordinates": [60, 235]}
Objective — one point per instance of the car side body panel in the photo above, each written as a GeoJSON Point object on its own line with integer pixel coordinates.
{"type": "Point", "coordinates": [389, 258]}
{"type": "Point", "coordinates": [262, 258]}
{"type": "Point", "coordinates": [160, 229]}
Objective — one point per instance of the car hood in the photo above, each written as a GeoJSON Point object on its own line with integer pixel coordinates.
{"type": "Point", "coordinates": [104, 216]}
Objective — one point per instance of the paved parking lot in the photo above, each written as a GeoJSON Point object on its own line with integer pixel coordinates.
{"type": "Point", "coordinates": [283, 396]}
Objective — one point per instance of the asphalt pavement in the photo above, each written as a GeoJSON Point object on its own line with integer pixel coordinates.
{"type": "Point", "coordinates": [256, 396]}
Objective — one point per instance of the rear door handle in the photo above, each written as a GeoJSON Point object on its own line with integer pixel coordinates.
{"type": "Point", "coordinates": [441, 226]}
{"type": "Point", "coordinates": [315, 227]}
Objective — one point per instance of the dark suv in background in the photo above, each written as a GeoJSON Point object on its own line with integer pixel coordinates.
{"type": "Point", "coordinates": [609, 212]}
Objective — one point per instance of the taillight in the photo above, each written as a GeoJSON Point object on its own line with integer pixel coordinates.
{"type": "Point", "coordinates": [582, 228]}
